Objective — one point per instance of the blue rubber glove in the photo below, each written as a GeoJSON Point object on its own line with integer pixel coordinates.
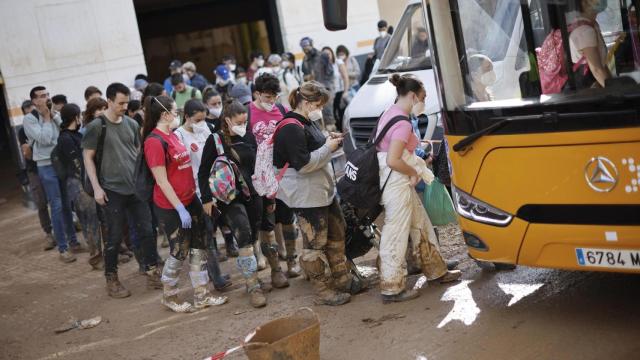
{"type": "Point", "coordinates": [185, 217]}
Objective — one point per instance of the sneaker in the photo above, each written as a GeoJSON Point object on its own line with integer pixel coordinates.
{"type": "Point", "coordinates": [67, 257]}
{"type": "Point", "coordinates": [406, 295]}
{"type": "Point", "coordinates": [115, 288]}
{"type": "Point", "coordinates": [50, 242]}
{"type": "Point", "coordinates": [77, 248]}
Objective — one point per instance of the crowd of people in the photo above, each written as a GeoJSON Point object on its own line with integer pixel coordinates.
{"type": "Point", "coordinates": [201, 144]}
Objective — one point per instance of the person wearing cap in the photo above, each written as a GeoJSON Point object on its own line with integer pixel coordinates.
{"type": "Point", "coordinates": [381, 41]}
{"type": "Point", "coordinates": [182, 92]}
{"type": "Point", "coordinates": [242, 93]}
{"type": "Point", "coordinates": [257, 61]}
{"type": "Point", "coordinates": [198, 80]}
{"type": "Point", "coordinates": [223, 81]}
{"type": "Point", "coordinates": [317, 66]}
{"type": "Point", "coordinates": [175, 68]}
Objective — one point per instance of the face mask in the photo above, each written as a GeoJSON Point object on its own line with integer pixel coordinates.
{"type": "Point", "coordinates": [488, 78]}
{"type": "Point", "coordinates": [267, 106]}
{"type": "Point", "coordinates": [215, 111]}
{"type": "Point", "coordinates": [315, 115]}
{"type": "Point", "coordinates": [342, 57]}
{"type": "Point", "coordinates": [175, 123]}
{"type": "Point", "coordinates": [242, 80]}
{"type": "Point", "coordinates": [239, 130]}
{"type": "Point", "coordinates": [200, 127]}
{"type": "Point", "coordinates": [383, 33]}
{"type": "Point", "coordinates": [260, 62]}
{"type": "Point", "coordinates": [285, 64]}
{"type": "Point", "coordinates": [232, 67]}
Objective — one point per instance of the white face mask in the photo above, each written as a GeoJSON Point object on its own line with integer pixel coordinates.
{"type": "Point", "coordinates": [260, 62]}
{"type": "Point", "coordinates": [488, 78]}
{"type": "Point", "coordinates": [315, 115]}
{"type": "Point", "coordinates": [285, 64]}
{"type": "Point", "coordinates": [342, 57]}
{"type": "Point", "coordinates": [232, 67]}
{"type": "Point", "coordinates": [383, 33]}
{"type": "Point", "coordinates": [215, 111]}
{"type": "Point", "coordinates": [200, 127]}
{"type": "Point", "coordinates": [175, 123]}
{"type": "Point", "coordinates": [240, 130]}
{"type": "Point", "coordinates": [268, 107]}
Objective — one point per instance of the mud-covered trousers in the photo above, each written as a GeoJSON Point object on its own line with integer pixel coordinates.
{"type": "Point", "coordinates": [323, 241]}
{"type": "Point", "coordinates": [115, 212]}
{"type": "Point", "coordinates": [85, 207]}
{"type": "Point", "coordinates": [185, 239]}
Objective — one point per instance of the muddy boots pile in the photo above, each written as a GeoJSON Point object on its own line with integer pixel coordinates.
{"type": "Point", "coordinates": [248, 266]}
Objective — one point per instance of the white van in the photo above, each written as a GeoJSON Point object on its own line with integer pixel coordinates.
{"type": "Point", "coordinates": [402, 55]}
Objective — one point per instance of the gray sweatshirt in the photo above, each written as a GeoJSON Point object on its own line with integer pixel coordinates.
{"type": "Point", "coordinates": [43, 136]}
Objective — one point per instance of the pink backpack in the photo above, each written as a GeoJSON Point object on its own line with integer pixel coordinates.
{"type": "Point", "coordinates": [265, 179]}
{"type": "Point", "coordinates": [553, 75]}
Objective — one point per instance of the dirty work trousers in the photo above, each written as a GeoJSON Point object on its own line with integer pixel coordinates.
{"type": "Point", "coordinates": [85, 207]}
{"type": "Point", "coordinates": [406, 228]}
{"type": "Point", "coordinates": [115, 214]}
{"type": "Point", "coordinates": [323, 231]}
{"type": "Point", "coordinates": [193, 238]}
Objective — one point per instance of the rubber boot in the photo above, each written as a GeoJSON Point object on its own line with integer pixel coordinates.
{"type": "Point", "coordinates": [170, 276]}
{"type": "Point", "coordinates": [248, 267]}
{"type": "Point", "coordinates": [213, 268]}
{"type": "Point", "coordinates": [270, 251]}
{"type": "Point", "coordinates": [114, 288]}
{"type": "Point", "coordinates": [282, 249]}
{"type": "Point", "coordinates": [202, 298]}
{"type": "Point", "coordinates": [290, 235]}
{"type": "Point", "coordinates": [325, 295]}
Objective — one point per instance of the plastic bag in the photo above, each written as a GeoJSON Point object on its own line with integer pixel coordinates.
{"type": "Point", "coordinates": [438, 204]}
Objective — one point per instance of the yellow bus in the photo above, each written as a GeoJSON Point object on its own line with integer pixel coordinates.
{"type": "Point", "coordinates": [545, 164]}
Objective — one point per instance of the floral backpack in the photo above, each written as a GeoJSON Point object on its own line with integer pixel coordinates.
{"type": "Point", "coordinates": [551, 56]}
{"type": "Point", "coordinates": [265, 179]}
{"type": "Point", "coordinates": [225, 175]}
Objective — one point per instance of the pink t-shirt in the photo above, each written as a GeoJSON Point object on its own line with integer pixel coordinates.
{"type": "Point", "coordinates": [402, 130]}
{"type": "Point", "coordinates": [263, 123]}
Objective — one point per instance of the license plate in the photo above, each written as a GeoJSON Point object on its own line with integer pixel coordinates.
{"type": "Point", "coordinates": [608, 258]}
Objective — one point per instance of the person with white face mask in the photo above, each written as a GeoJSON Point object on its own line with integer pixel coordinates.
{"type": "Point", "coordinates": [193, 134]}
{"type": "Point", "coordinates": [243, 213]}
{"type": "Point", "coordinates": [482, 77]}
{"type": "Point", "coordinates": [213, 103]}
{"type": "Point", "coordinates": [380, 43]}
{"type": "Point", "coordinates": [308, 188]}
{"type": "Point", "coordinates": [176, 206]}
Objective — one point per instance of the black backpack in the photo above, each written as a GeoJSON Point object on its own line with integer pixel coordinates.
{"type": "Point", "coordinates": [360, 185]}
{"type": "Point", "coordinates": [143, 176]}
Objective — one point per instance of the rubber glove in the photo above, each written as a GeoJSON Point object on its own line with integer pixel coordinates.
{"type": "Point", "coordinates": [185, 217]}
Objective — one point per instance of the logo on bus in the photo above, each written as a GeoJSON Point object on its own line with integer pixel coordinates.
{"type": "Point", "coordinates": [601, 174]}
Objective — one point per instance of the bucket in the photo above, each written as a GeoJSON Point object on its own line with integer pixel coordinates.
{"type": "Point", "coordinates": [295, 337]}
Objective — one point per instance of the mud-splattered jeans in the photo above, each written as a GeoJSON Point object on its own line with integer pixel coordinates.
{"type": "Point", "coordinates": [115, 213]}
{"type": "Point", "coordinates": [323, 231]}
{"type": "Point", "coordinates": [193, 238]}
{"type": "Point", "coordinates": [244, 218]}
{"type": "Point", "coordinates": [85, 207]}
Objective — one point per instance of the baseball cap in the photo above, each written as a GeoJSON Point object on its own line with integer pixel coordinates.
{"type": "Point", "coordinates": [175, 64]}
{"type": "Point", "coordinates": [241, 92]}
{"type": "Point", "coordinates": [222, 72]}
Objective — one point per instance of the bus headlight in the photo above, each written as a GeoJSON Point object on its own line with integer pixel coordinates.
{"type": "Point", "coordinates": [473, 209]}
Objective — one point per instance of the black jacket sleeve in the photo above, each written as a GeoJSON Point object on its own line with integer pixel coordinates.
{"type": "Point", "coordinates": [291, 143]}
{"type": "Point", "coordinates": [209, 155]}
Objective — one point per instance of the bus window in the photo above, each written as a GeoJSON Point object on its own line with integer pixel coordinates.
{"type": "Point", "coordinates": [408, 49]}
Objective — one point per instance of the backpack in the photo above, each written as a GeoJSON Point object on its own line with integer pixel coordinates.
{"type": "Point", "coordinates": [551, 60]}
{"type": "Point", "coordinates": [58, 165]}
{"type": "Point", "coordinates": [265, 179]}
{"type": "Point", "coordinates": [193, 93]}
{"type": "Point", "coordinates": [225, 175]}
{"type": "Point", "coordinates": [144, 180]}
{"type": "Point", "coordinates": [86, 183]}
{"type": "Point", "coordinates": [360, 185]}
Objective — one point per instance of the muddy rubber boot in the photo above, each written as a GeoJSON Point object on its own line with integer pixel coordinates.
{"type": "Point", "coordinates": [137, 254]}
{"type": "Point", "coordinates": [290, 234]}
{"type": "Point", "coordinates": [97, 261]}
{"type": "Point", "coordinates": [154, 281]}
{"type": "Point", "coordinates": [324, 294]}
{"type": "Point", "coordinates": [115, 288]}
{"type": "Point", "coordinates": [248, 267]}
{"type": "Point", "coordinates": [257, 297]}
{"type": "Point", "coordinates": [292, 272]}
{"type": "Point", "coordinates": [230, 245]}
{"type": "Point", "coordinates": [270, 251]}
{"type": "Point", "coordinates": [405, 295]}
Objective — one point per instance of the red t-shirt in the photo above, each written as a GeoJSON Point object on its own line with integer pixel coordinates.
{"type": "Point", "coordinates": [264, 123]}
{"type": "Point", "coordinates": [178, 165]}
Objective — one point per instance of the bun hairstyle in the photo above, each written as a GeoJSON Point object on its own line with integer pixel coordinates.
{"type": "Point", "coordinates": [311, 91]}
{"type": "Point", "coordinates": [406, 83]}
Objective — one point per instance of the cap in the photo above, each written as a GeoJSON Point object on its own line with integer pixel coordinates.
{"type": "Point", "coordinates": [175, 64]}
{"type": "Point", "coordinates": [306, 41]}
{"type": "Point", "coordinates": [189, 66]}
{"type": "Point", "coordinates": [222, 71]}
{"type": "Point", "coordinates": [140, 84]}
{"type": "Point", "coordinates": [241, 92]}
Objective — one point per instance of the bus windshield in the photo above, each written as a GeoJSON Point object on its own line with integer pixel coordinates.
{"type": "Point", "coordinates": [515, 50]}
{"type": "Point", "coordinates": [408, 48]}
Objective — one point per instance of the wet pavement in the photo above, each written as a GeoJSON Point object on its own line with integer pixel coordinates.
{"type": "Point", "coordinates": [522, 314]}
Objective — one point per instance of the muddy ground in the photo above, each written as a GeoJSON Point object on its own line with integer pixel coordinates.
{"type": "Point", "coordinates": [522, 314]}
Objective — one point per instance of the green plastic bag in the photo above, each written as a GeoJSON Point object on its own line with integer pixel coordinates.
{"type": "Point", "coordinates": [438, 204]}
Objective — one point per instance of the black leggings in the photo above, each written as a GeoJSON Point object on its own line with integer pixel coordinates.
{"type": "Point", "coordinates": [194, 238]}
{"type": "Point", "coordinates": [243, 218]}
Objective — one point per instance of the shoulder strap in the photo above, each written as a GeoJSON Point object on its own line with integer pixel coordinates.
{"type": "Point", "coordinates": [218, 142]}
{"type": "Point", "coordinates": [284, 122]}
{"type": "Point", "coordinates": [281, 108]}
{"type": "Point", "coordinates": [100, 147]}
{"type": "Point", "coordinates": [210, 127]}
{"type": "Point", "coordinates": [173, 95]}
{"type": "Point", "coordinates": [386, 128]}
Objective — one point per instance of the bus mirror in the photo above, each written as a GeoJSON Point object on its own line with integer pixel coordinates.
{"type": "Point", "coordinates": [335, 14]}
